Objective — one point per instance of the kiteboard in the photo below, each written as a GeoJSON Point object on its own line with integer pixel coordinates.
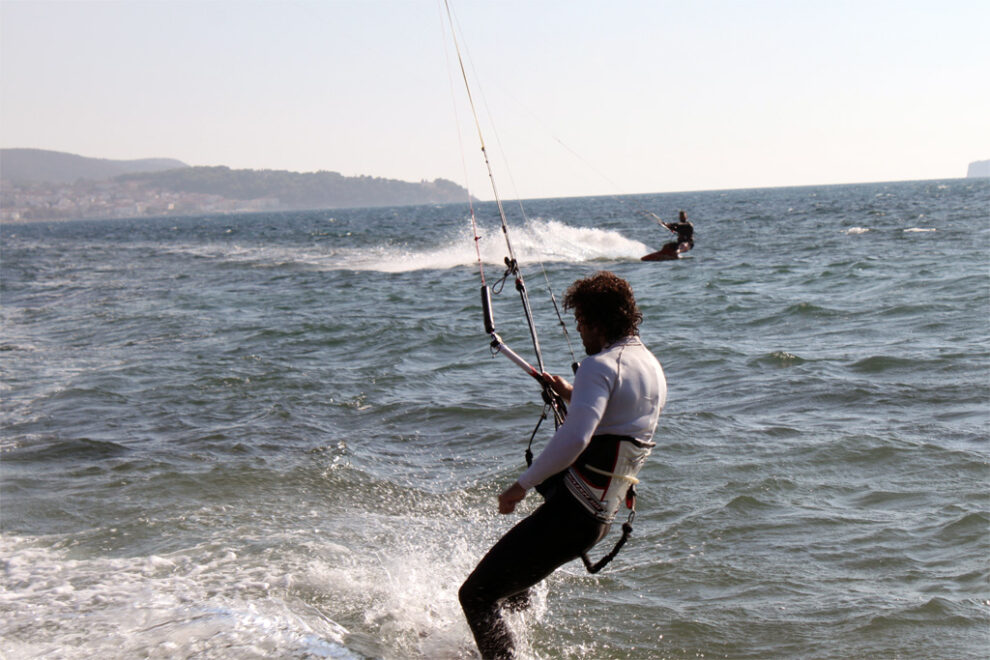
{"type": "Point", "coordinates": [668, 252]}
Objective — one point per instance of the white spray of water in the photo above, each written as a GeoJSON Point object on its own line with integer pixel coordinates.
{"type": "Point", "coordinates": [202, 602]}
{"type": "Point", "coordinates": [391, 592]}
{"type": "Point", "coordinates": [538, 240]}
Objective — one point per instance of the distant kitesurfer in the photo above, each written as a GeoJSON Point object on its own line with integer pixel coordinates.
{"type": "Point", "coordinates": [585, 470]}
{"type": "Point", "coordinates": [684, 230]}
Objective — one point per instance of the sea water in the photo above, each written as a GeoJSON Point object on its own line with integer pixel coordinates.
{"type": "Point", "coordinates": [282, 435]}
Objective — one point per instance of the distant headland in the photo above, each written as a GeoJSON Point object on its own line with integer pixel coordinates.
{"type": "Point", "coordinates": [978, 169]}
{"type": "Point", "coordinates": [36, 184]}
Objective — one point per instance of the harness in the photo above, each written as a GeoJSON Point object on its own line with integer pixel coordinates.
{"type": "Point", "coordinates": [605, 473]}
{"type": "Point", "coordinates": [602, 477]}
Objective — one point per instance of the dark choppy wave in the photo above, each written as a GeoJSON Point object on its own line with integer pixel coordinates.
{"type": "Point", "coordinates": [282, 435]}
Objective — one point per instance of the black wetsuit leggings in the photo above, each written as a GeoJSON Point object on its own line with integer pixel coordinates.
{"type": "Point", "coordinates": [557, 532]}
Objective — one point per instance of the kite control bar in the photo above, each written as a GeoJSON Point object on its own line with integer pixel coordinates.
{"type": "Point", "coordinates": [498, 346]}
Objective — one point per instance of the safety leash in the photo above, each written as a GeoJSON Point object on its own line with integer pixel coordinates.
{"type": "Point", "coordinates": [626, 532]}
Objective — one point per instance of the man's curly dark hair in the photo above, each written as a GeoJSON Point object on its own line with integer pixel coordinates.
{"type": "Point", "coordinates": [605, 301]}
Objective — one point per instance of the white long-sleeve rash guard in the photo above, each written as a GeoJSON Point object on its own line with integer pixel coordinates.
{"type": "Point", "coordinates": [620, 390]}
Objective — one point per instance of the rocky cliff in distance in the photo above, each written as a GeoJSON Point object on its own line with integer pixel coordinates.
{"type": "Point", "coordinates": [979, 169]}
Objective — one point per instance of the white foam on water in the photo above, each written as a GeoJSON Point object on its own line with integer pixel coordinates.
{"type": "Point", "coordinates": [199, 603]}
{"type": "Point", "coordinates": [918, 230]}
{"type": "Point", "coordinates": [393, 583]}
{"type": "Point", "coordinates": [857, 230]}
{"type": "Point", "coordinates": [537, 241]}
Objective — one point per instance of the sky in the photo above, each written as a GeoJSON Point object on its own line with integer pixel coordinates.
{"type": "Point", "coordinates": [575, 97]}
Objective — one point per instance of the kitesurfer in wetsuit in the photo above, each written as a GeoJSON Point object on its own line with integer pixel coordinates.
{"type": "Point", "coordinates": [685, 234]}
{"type": "Point", "coordinates": [587, 467]}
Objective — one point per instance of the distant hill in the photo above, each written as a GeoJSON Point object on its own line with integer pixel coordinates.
{"type": "Point", "coordinates": [50, 185]}
{"type": "Point", "coordinates": [41, 166]}
{"type": "Point", "coordinates": [296, 190]}
{"type": "Point", "coordinates": [979, 169]}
